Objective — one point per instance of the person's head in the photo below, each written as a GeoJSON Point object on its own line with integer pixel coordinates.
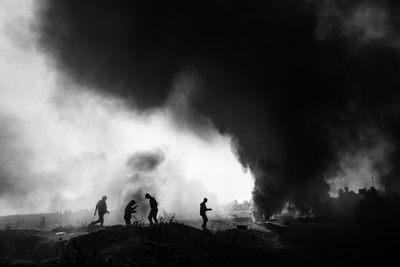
{"type": "Point", "coordinates": [104, 198]}
{"type": "Point", "coordinates": [147, 195]}
{"type": "Point", "coordinates": [205, 200]}
{"type": "Point", "coordinates": [132, 202]}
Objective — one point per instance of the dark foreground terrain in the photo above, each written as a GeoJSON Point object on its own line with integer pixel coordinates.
{"type": "Point", "coordinates": [307, 242]}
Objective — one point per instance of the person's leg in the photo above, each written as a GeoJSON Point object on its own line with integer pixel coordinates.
{"type": "Point", "coordinates": [155, 216]}
{"type": "Point", "coordinates": [204, 221]}
{"type": "Point", "coordinates": [98, 220]}
{"type": "Point", "coordinates": [150, 216]}
{"type": "Point", "coordinates": [127, 220]}
{"type": "Point", "coordinates": [101, 218]}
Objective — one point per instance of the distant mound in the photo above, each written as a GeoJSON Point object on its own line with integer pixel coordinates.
{"type": "Point", "coordinates": [170, 245]}
{"type": "Point", "coordinates": [300, 243]}
{"type": "Point", "coordinates": [167, 244]}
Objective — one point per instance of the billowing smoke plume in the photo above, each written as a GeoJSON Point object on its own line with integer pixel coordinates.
{"type": "Point", "coordinates": [295, 82]}
{"type": "Point", "coordinates": [63, 147]}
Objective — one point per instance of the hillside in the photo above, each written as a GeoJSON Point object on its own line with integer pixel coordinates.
{"type": "Point", "coordinates": [307, 242]}
{"type": "Point", "coordinates": [168, 244]}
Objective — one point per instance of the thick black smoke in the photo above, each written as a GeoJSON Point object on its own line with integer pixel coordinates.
{"type": "Point", "coordinates": [292, 80]}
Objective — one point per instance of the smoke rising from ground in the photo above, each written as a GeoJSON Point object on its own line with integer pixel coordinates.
{"type": "Point", "coordinates": [293, 81]}
{"type": "Point", "coordinates": [64, 146]}
{"type": "Point", "coordinates": [145, 161]}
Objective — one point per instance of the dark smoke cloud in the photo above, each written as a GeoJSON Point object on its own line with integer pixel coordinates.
{"type": "Point", "coordinates": [141, 180]}
{"type": "Point", "coordinates": [145, 161]}
{"type": "Point", "coordinates": [291, 80]}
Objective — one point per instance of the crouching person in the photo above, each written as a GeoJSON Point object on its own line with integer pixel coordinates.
{"type": "Point", "coordinates": [129, 210]}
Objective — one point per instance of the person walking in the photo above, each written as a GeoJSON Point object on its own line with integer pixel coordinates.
{"type": "Point", "coordinates": [203, 210]}
{"type": "Point", "coordinates": [101, 209]}
{"type": "Point", "coordinates": [153, 209]}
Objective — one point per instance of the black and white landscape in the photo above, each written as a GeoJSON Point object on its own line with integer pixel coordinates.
{"type": "Point", "coordinates": [284, 114]}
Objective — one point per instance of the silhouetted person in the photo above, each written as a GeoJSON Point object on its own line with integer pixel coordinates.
{"type": "Point", "coordinates": [203, 210]}
{"type": "Point", "coordinates": [129, 210]}
{"type": "Point", "coordinates": [153, 207]}
{"type": "Point", "coordinates": [101, 208]}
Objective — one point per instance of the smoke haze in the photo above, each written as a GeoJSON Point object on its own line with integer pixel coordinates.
{"type": "Point", "coordinates": [64, 145]}
{"type": "Point", "coordinates": [294, 82]}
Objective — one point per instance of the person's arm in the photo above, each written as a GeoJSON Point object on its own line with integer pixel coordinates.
{"type": "Point", "coordinates": [95, 209]}
{"type": "Point", "coordinates": [134, 209]}
{"type": "Point", "coordinates": [209, 209]}
{"type": "Point", "coordinates": [106, 208]}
